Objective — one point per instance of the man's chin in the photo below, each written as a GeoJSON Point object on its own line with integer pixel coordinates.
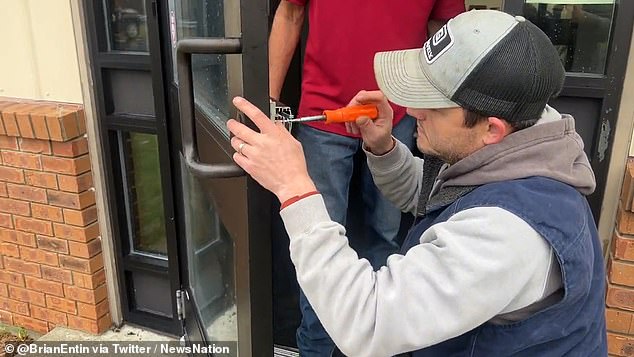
{"type": "Point", "coordinates": [425, 149]}
{"type": "Point", "coordinates": [428, 151]}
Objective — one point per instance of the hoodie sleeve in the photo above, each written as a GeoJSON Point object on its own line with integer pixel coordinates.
{"type": "Point", "coordinates": [398, 175]}
{"type": "Point", "coordinates": [441, 288]}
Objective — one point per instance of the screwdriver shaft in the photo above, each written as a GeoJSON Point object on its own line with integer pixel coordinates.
{"type": "Point", "coordinates": [304, 119]}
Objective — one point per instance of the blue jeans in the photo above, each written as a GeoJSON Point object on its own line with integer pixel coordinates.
{"type": "Point", "coordinates": [330, 164]}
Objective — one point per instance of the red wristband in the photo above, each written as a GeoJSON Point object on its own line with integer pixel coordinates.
{"type": "Point", "coordinates": [294, 199]}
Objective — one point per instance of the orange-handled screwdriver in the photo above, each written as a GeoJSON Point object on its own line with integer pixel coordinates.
{"type": "Point", "coordinates": [340, 115]}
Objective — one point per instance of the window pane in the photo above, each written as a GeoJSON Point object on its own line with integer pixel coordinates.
{"type": "Point", "coordinates": [144, 194]}
{"type": "Point", "coordinates": [203, 18]}
{"type": "Point", "coordinates": [127, 25]}
{"type": "Point", "coordinates": [580, 30]}
{"type": "Point", "coordinates": [128, 92]}
{"type": "Point", "coordinates": [217, 79]}
{"type": "Point", "coordinates": [211, 267]}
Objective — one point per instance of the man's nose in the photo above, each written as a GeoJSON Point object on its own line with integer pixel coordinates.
{"type": "Point", "coordinates": [418, 114]}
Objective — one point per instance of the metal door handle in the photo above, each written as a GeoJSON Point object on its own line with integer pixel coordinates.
{"type": "Point", "coordinates": [184, 51]}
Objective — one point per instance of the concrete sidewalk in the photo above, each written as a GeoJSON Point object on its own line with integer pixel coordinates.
{"type": "Point", "coordinates": [125, 333]}
{"type": "Point", "coordinates": [130, 340]}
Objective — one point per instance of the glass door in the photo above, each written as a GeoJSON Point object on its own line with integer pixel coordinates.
{"type": "Point", "coordinates": [219, 50]}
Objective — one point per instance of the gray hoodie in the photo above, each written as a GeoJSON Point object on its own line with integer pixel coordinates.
{"type": "Point", "coordinates": [483, 264]}
{"type": "Point", "coordinates": [551, 148]}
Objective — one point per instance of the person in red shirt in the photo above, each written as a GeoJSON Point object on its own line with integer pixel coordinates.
{"type": "Point", "coordinates": [342, 40]}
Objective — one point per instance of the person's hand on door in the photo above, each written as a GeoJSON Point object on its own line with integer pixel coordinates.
{"type": "Point", "coordinates": [377, 133]}
{"type": "Point", "coordinates": [272, 157]}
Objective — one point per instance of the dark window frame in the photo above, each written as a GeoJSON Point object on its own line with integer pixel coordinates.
{"type": "Point", "coordinates": [108, 127]}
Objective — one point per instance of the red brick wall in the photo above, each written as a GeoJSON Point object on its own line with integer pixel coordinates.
{"type": "Point", "coordinates": [51, 266]}
{"type": "Point", "coordinates": [620, 294]}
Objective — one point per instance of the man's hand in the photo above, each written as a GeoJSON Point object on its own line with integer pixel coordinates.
{"type": "Point", "coordinates": [272, 157]}
{"type": "Point", "coordinates": [376, 134]}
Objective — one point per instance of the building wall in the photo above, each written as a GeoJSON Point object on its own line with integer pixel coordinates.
{"type": "Point", "coordinates": [39, 59]}
{"type": "Point", "coordinates": [620, 292]}
{"type": "Point", "coordinates": [51, 267]}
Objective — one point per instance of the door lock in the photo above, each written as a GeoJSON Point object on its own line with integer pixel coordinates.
{"type": "Point", "coordinates": [281, 112]}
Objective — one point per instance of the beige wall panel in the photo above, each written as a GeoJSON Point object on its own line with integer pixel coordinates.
{"type": "Point", "coordinates": [55, 52]}
{"type": "Point", "coordinates": [631, 141]}
{"type": "Point", "coordinates": [18, 71]}
{"type": "Point", "coordinates": [42, 59]}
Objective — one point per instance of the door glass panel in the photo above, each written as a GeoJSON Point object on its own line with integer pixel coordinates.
{"type": "Point", "coordinates": [216, 79]}
{"type": "Point", "coordinates": [148, 292]}
{"type": "Point", "coordinates": [202, 18]}
{"type": "Point", "coordinates": [579, 29]}
{"type": "Point", "coordinates": [143, 193]}
{"type": "Point", "coordinates": [127, 25]}
{"type": "Point", "coordinates": [128, 92]}
{"type": "Point", "coordinates": [210, 253]}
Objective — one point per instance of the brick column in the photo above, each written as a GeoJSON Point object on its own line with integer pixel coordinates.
{"type": "Point", "coordinates": [51, 271]}
{"type": "Point", "coordinates": [620, 294]}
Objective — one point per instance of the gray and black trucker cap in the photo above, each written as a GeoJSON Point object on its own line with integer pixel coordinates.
{"type": "Point", "coordinates": [485, 61]}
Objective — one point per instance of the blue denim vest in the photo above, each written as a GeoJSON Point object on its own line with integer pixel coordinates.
{"type": "Point", "coordinates": [574, 326]}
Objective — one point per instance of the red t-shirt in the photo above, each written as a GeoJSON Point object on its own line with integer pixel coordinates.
{"type": "Point", "coordinates": [343, 37]}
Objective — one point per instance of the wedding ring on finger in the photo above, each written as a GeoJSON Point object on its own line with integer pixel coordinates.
{"type": "Point", "coordinates": [240, 147]}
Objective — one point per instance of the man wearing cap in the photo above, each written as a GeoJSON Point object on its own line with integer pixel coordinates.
{"type": "Point", "coordinates": [504, 258]}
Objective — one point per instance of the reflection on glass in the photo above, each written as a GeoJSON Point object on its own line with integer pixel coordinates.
{"type": "Point", "coordinates": [579, 29]}
{"type": "Point", "coordinates": [200, 18]}
{"type": "Point", "coordinates": [127, 25]}
{"type": "Point", "coordinates": [211, 92]}
{"type": "Point", "coordinates": [213, 86]}
{"type": "Point", "coordinates": [144, 195]}
{"type": "Point", "coordinates": [210, 262]}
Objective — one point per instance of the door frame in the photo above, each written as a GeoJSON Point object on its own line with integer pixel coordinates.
{"type": "Point", "coordinates": [254, 289]}
{"type": "Point", "coordinates": [109, 125]}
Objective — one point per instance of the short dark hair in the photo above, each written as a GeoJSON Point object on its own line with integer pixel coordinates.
{"type": "Point", "coordinates": [472, 118]}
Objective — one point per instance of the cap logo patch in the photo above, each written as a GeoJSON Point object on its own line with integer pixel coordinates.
{"type": "Point", "coordinates": [438, 44]}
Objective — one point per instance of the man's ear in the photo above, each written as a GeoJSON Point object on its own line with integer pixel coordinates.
{"type": "Point", "coordinates": [497, 129]}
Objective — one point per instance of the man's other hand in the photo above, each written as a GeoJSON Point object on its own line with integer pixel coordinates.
{"type": "Point", "coordinates": [376, 134]}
